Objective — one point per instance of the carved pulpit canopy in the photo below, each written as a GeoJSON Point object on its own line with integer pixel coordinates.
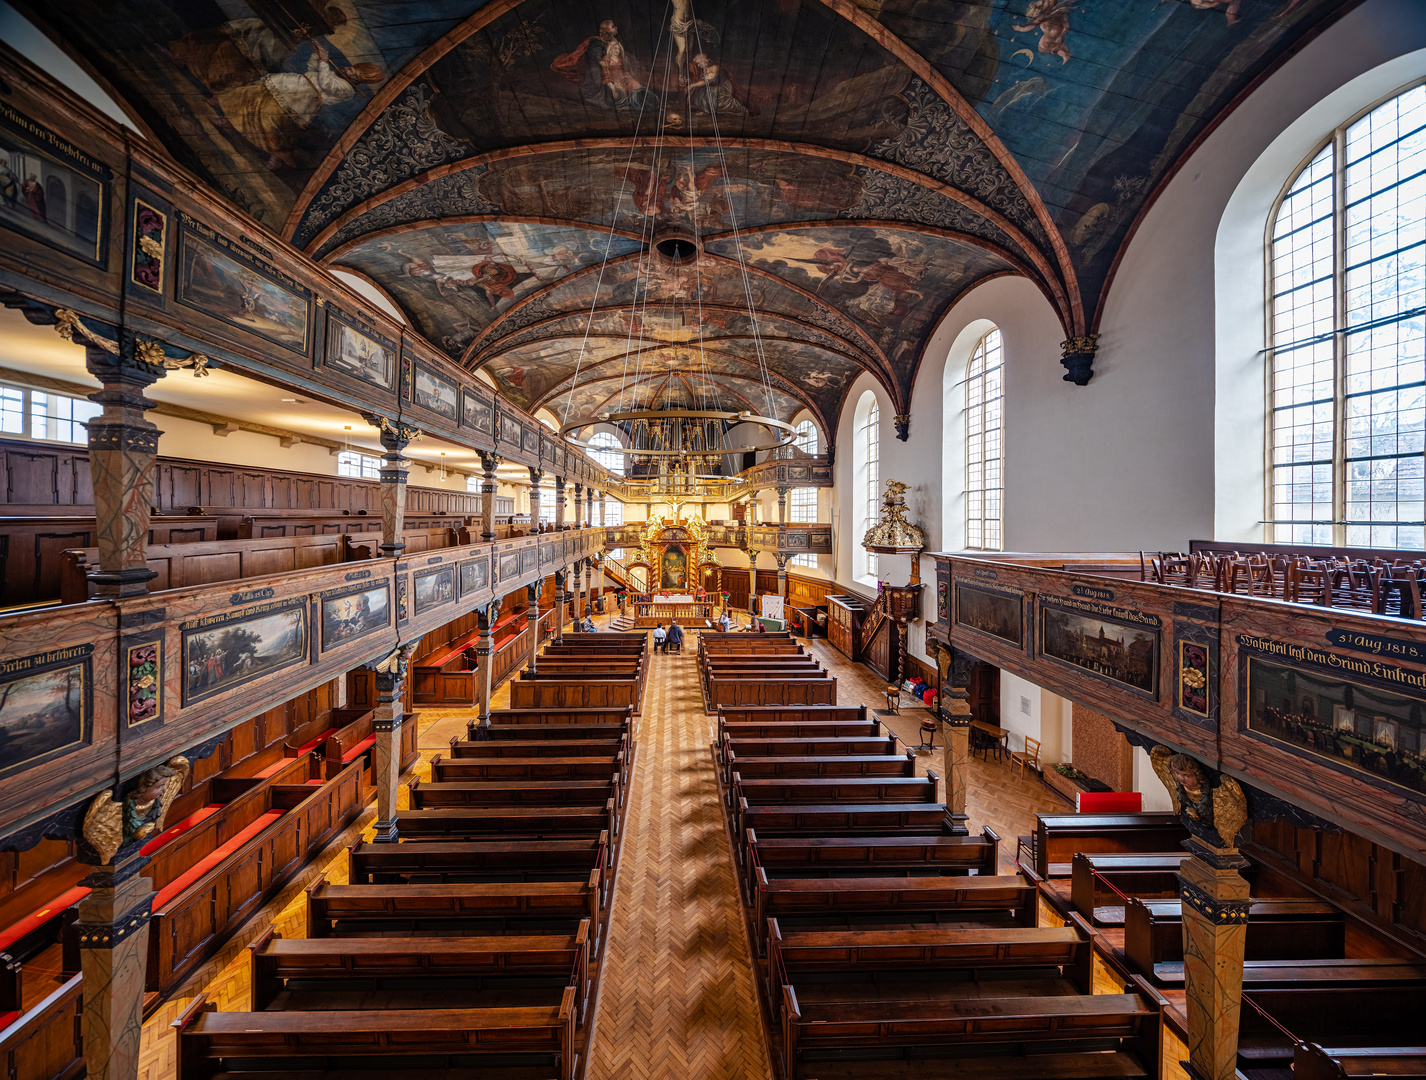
{"type": "Point", "coordinates": [893, 534]}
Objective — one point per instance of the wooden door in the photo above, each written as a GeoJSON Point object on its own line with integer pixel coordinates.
{"type": "Point", "coordinates": [984, 693]}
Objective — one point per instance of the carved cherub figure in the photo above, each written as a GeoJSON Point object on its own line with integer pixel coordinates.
{"type": "Point", "coordinates": [109, 825]}
{"type": "Point", "coordinates": [1221, 809]}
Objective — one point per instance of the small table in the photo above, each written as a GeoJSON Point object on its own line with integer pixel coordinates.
{"type": "Point", "coordinates": [893, 699]}
{"type": "Point", "coordinates": [996, 737]}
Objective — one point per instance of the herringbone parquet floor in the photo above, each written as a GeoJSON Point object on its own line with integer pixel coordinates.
{"type": "Point", "coordinates": [677, 997]}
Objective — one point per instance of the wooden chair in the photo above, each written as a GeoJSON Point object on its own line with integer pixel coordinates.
{"type": "Point", "coordinates": [1029, 756]}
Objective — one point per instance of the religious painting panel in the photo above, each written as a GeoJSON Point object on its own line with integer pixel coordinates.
{"type": "Point", "coordinates": [348, 614]}
{"type": "Point", "coordinates": [510, 566]}
{"type": "Point", "coordinates": [221, 280]}
{"type": "Point", "coordinates": [46, 706]}
{"type": "Point", "coordinates": [50, 190]}
{"type": "Point", "coordinates": [432, 390]}
{"type": "Point", "coordinates": [673, 568]}
{"type": "Point", "coordinates": [221, 652]}
{"type": "Point", "coordinates": [990, 610]}
{"type": "Point", "coordinates": [474, 576]}
{"type": "Point", "coordinates": [434, 588]}
{"type": "Point", "coordinates": [1113, 643]}
{"type": "Point", "coordinates": [476, 413]}
{"type": "Point", "coordinates": [359, 352]}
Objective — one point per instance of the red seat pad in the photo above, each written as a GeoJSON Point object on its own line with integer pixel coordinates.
{"type": "Point", "coordinates": [360, 748]}
{"type": "Point", "coordinates": [37, 918]}
{"type": "Point", "coordinates": [315, 782]}
{"type": "Point", "coordinates": [308, 747]}
{"type": "Point", "coordinates": [8, 1018]}
{"type": "Point", "coordinates": [175, 887]}
{"type": "Point", "coordinates": [190, 822]}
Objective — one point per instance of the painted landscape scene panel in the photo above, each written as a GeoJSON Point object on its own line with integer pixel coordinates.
{"type": "Point", "coordinates": [1114, 650]}
{"type": "Point", "coordinates": [435, 393]}
{"type": "Point", "coordinates": [40, 714]}
{"type": "Point", "coordinates": [242, 649]}
{"type": "Point", "coordinates": [995, 613]}
{"type": "Point", "coordinates": [219, 285]}
{"type": "Point", "coordinates": [1373, 731]}
{"type": "Point", "coordinates": [351, 616]}
{"type": "Point", "coordinates": [473, 576]}
{"type": "Point", "coordinates": [435, 587]}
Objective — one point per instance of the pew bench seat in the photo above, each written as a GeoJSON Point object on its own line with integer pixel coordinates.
{"type": "Point", "coordinates": [214, 858]}
{"type": "Point", "coordinates": [358, 750]}
{"type": "Point", "coordinates": [416, 862]}
{"type": "Point", "coordinates": [508, 822]}
{"type": "Point", "coordinates": [526, 907]}
{"type": "Point", "coordinates": [377, 1043]}
{"type": "Point", "coordinates": [1343, 974]}
{"type": "Point", "coordinates": [1313, 1062]}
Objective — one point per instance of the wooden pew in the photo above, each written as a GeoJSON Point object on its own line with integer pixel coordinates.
{"type": "Point", "coordinates": [491, 794]}
{"type": "Point", "coordinates": [511, 906]}
{"type": "Point", "coordinates": [892, 901]}
{"type": "Point", "coordinates": [476, 860]}
{"type": "Point", "coordinates": [1328, 1015]}
{"type": "Point", "coordinates": [879, 856]}
{"type": "Point", "coordinates": [1060, 1028]}
{"type": "Point", "coordinates": [919, 956]}
{"type": "Point", "coordinates": [824, 791]}
{"type": "Point", "coordinates": [46, 1041]}
{"type": "Point", "coordinates": [752, 691]}
{"type": "Point", "coordinates": [841, 819]}
{"type": "Point", "coordinates": [397, 964]}
{"type": "Point", "coordinates": [1313, 1062]}
{"type": "Point", "coordinates": [504, 722]}
{"type": "Point", "coordinates": [802, 714]}
{"type": "Point", "coordinates": [508, 822]}
{"type": "Point", "coordinates": [1059, 836]}
{"type": "Point", "coordinates": [1147, 876]}
{"type": "Point", "coordinates": [852, 729]}
{"type": "Point", "coordinates": [213, 877]}
{"type": "Point", "coordinates": [834, 765]}
{"type": "Point", "coordinates": [1277, 930]}
{"type": "Point", "coordinates": [263, 1045]}
{"type": "Point", "coordinates": [559, 693]}
{"type": "Point", "coordinates": [527, 768]}
{"type": "Point", "coordinates": [357, 740]}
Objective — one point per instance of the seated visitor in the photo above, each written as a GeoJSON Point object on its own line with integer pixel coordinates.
{"type": "Point", "coordinates": [675, 638]}
{"type": "Point", "coordinates": [660, 638]}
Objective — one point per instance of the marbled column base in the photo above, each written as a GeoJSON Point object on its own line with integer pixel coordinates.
{"type": "Point", "coordinates": [114, 976]}
{"type": "Point", "coordinates": [1213, 945]}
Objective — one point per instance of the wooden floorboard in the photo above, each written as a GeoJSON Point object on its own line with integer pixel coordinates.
{"type": "Point", "coordinates": [678, 998]}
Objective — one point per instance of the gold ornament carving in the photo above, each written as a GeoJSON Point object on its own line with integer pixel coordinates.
{"type": "Point", "coordinates": [110, 825]}
{"type": "Point", "coordinates": [893, 530]}
{"type": "Point", "coordinates": [68, 324]}
{"type": "Point", "coordinates": [1223, 808]}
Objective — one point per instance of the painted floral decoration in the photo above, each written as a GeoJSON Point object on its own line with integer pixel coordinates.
{"type": "Point", "coordinates": [143, 683]}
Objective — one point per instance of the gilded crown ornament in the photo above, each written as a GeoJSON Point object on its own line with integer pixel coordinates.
{"type": "Point", "coordinates": [893, 533]}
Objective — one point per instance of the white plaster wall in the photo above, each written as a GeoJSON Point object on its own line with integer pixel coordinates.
{"type": "Point", "coordinates": [1156, 796]}
{"type": "Point", "coordinates": [1029, 710]}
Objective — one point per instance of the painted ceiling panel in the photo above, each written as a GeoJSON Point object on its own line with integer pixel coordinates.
{"type": "Point", "coordinates": [1001, 136]}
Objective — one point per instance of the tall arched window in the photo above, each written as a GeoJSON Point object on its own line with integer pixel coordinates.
{"type": "Point", "coordinates": [802, 509]}
{"type": "Point", "coordinates": [1347, 408]}
{"type": "Point", "coordinates": [806, 437]}
{"type": "Point", "coordinates": [600, 443]}
{"type": "Point", "coordinates": [985, 478]}
{"type": "Point", "coordinates": [869, 442]}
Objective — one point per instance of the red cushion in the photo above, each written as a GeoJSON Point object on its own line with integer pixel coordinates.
{"type": "Point", "coordinates": [1109, 802]}
{"type": "Point", "coordinates": [313, 781]}
{"type": "Point", "coordinates": [193, 873]}
{"type": "Point", "coordinates": [191, 821]}
{"type": "Point", "coordinates": [308, 747]}
{"type": "Point", "coordinates": [37, 918]}
{"type": "Point", "coordinates": [8, 1018]}
{"type": "Point", "coordinates": [360, 748]}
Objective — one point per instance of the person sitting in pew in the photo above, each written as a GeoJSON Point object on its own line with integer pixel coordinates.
{"type": "Point", "coordinates": [588, 625]}
{"type": "Point", "coordinates": [660, 638]}
{"type": "Point", "coordinates": [674, 640]}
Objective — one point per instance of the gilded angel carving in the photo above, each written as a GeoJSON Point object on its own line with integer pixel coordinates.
{"type": "Point", "coordinates": [1222, 809]}
{"type": "Point", "coordinates": [110, 825]}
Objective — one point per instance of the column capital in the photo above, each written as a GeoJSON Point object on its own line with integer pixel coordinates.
{"type": "Point", "coordinates": [396, 435]}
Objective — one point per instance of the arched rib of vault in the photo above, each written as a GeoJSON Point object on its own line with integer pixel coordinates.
{"type": "Point", "coordinates": [1029, 249]}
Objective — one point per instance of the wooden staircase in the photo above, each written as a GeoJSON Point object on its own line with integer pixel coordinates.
{"type": "Point", "coordinates": [622, 624]}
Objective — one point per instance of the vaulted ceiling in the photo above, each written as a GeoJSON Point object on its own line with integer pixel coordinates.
{"type": "Point", "coordinates": [500, 170]}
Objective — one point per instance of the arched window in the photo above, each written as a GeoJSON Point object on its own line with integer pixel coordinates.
{"type": "Point", "coordinates": [985, 478]}
{"type": "Point", "coordinates": [806, 437]}
{"type": "Point", "coordinates": [802, 508]}
{"type": "Point", "coordinates": [867, 468]}
{"type": "Point", "coordinates": [599, 449]}
{"type": "Point", "coordinates": [1347, 408]}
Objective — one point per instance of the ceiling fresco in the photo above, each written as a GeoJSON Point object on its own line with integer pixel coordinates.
{"type": "Point", "coordinates": [848, 167]}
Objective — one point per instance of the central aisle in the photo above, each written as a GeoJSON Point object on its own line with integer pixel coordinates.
{"type": "Point", "coordinates": [677, 995]}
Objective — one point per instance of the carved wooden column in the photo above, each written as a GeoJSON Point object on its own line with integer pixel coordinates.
{"type": "Point", "coordinates": [386, 754]}
{"type": "Point", "coordinates": [123, 455]}
{"type": "Point", "coordinates": [113, 924]}
{"type": "Point", "coordinates": [488, 462]}
{"type": "Point", "coordinates": [1215, 909]}
{"type": "Point", "coordinates": [782, 577]}
{"type": "Point", "coordinates": [533, 617]}
{"type": "Point", "coordinates": [782, 506]}
{"type": "Point", "coordinates": [589, 509]}
{"type": "Point", "coordinates": [535, 477]}
{"type": "Point", "coordinates": [395, 437]}
{"type": "Point", "coordinates": [559, 503]}
{"type": "Point", "coordinates": [578, 505]}
{"type": "Point", "coordinates": [113, 930]}
{"type": "Point", "coordinates": [752, 581]}
{"type": "Point", "coordinates": [578, 613]}
{"type": "Point", "coordinates": [484, 661]}
{"type": "Point", "coordinates": [561, 606]}
{"type": "Point", "coordinates": [955, 714]}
